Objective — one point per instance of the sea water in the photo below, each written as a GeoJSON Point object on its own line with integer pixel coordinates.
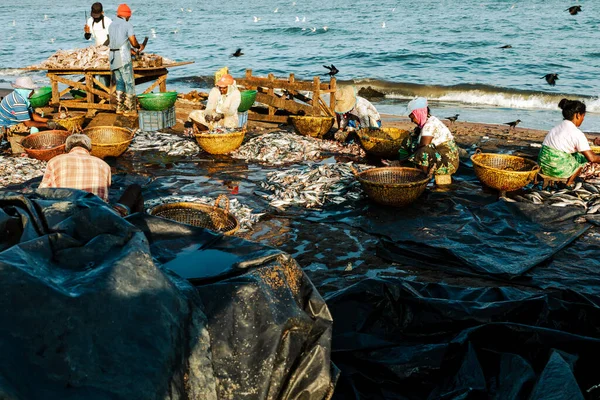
{"type": "Point", "coordinates": [446, 50]}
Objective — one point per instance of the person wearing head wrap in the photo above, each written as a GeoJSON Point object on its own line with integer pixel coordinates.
{"type": "Point", "coordinates": [97, 25]}
{"type": "Point", "coordinates": [79, 169]}
{"type": "Point", "coordinates": [353, 112]}
{"type": "Point", "coordinates": [221, 106]}
{"type": "Point", "coordinates": [16, 114]}
{"type": "Point", "coordinates": [432, 144]}
{"type": "Point", "coordinates": [121, 40]}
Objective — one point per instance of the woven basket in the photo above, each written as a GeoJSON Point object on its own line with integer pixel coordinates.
{"type": "Point", "coordinates": [200, 215]}
{"type": "Point", "coordinates": [315, 127]}
{"type": "Point", "coordinates": [502, 171]}
{"type": "Point", "coordinates": [595, 149]}
{"type": "Point", "coordinates": [109, 141]}
{"type": "Point", "coordinates": [45, 145]}
{"type": "Point", "coordinates": [383, 142]}
{"type": "Point", "coordinates": [393, 186]}
{"type": "Point", "coordinates": [71, 123]}
{"type": "Point", "coordinates": [217, 143]}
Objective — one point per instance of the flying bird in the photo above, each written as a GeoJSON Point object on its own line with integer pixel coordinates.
{"type": "Point", "coordinates": [550, 78]}
{"type": "Point", "coordinates": [237, 53]}
{"type": "Point", "coordinates": [276, 10]}
{"type": "Point", "coordinates": [453, 118]}
{"type": "Point", "coordinates": [332, 70]}
{"type": "Point", "coordinates": [313, 29]}
{"type": "Point", "coordinates": [297, 18]}
{"type": "Point", "coordinates": [506, 46]}
{"type": "Point", "coordinates": [512, 124]}
{"type": "Point", "coordinates": [573, 10]}
{"type": "Point", "coordinates": [383, 24]}
{"type": "Point", "coordinates": [256, 19]}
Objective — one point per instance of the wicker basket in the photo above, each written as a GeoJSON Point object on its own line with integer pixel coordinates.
{"type": "Point", "coordinates": [200, 215]}
{"type": "Point", "coordinates": [220, 143]}
{"type": "Point", "coordinates": [393, 186]}
{"type": "Point", "coordinates": [71, 123]}
{"type": "Point", "coordinates": [45, 145]}
{"type": "Point", "coordinates": [109, 141]}
{"type": "Point", "coordinates": [383, 142]}
{"type": "Point", "coordinates": [315, 127]}
{"type": "Point", "coordinates": [502, 171]}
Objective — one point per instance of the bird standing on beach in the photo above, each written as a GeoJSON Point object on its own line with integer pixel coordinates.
{"type": "Point", "coordinates": [332, 70]}
{"type": "Point", "coordinates": [237, 53]}
{"type": "Point", "coordinates": [573, 10]}
{"type": "Point", "coordinates": [453, 118]}
{"type": "Point", "coordinates": [550, 78]}
{"type": "Point", "coordinates": [512, 124]}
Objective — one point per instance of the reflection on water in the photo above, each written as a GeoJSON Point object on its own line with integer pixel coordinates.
{"type": "Point", "coordinates": [193, 263]}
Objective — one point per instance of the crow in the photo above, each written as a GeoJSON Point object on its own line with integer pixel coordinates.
{"type": "Point", "coordinates": [512, 124]}
{"type": "Point", "coordinates": [332, 70]}
{"type": "Point", "coordinates": [453, 119]}
{"type": "Point", "coordinates": [573, 10]}
{"type": "Point", "coordinates": [550, 78]}
{"type": "Point", "coordinates": [506, 46]}
{"type": "Point", "coordinates": [237, 53]}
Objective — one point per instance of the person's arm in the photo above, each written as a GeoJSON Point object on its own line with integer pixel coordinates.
{"type": "Point", "coordinates": [591, 156]}
{"type": "Point", "coordinates": [213, 97]}
{"type": "Point", "coordinates": [134, 43]}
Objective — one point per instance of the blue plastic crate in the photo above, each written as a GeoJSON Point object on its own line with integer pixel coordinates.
{"type": "Point", "coordinates": [156, 120]}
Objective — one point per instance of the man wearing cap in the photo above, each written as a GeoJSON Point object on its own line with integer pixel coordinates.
{"type": "Point", "coordinates": [78, 169]}
{"type": "Point", "coordinates": [97, 26]}
{"type": "Point", "coordinates": [221, 106]}
{"type": "Point", "coordinates": [353, 112]}
{"type": "Point", "coordinates": [16, 114]}
{"type": "Point", "coordinates": [121, 40]}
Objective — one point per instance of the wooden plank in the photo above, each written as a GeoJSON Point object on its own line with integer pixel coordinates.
{"type": "Point", "coordinates": [326, 109]}
{"type": "Point", "coordinates": [55, 93]}
{"type": "Point", "coordinates": [104, 71]}
{"type": "Point", "coordinates": [275, 84]}
{"type": "Point", "coordinates": [159, 81]}
{"type": "Point", "coordinates": [333, 85]}
{"type": "Point", "coordinates": [93, 106]}
{"type": "Point", "coordinates": [316, 95]}
{"type": "Point", "coordinates": [100, 84]}
{"type": "Point", "coordinates": [81, 86]}
{"type": "Point", "coordinates": [89, 86]}
{"type": "Point", "coordinates": [277, 102]}
{"type": "Point", "coordinates": [281, 119]}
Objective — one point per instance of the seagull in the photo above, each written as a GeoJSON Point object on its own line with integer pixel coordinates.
{"type": "Point", "coordinates": [313, 29]}
{"type": "Point", "coordinates": [294, 3]}
{"type": "Point", "coordinates": [550, 78]}
{"type": "Point", "coordinates": [383, 24]}
{"type": "Point", "coordinates": [393, 9]}
{"type": "Point", "coordinates": [181, 8]}
{"type": "Point", "coordinates": [303, 19]}
{"type": "Point", "coordinates": [332, 70]}
{"type": "Point", "coordinates": [189, 10]}
{"type": "Point", "coordinates": [237, 53]}
{"type": "Point", "coordinates": [453, 118]}
{"type": "Point", "coordinates": [512, 124]}
{"type": "Point", "coordinates": [276, 10]}
{"type": "Point", "coordinates": [52, 40]}
{"type": "Point", "coordinates": [506, 46]}
{"type": "Point", "coordinates": [153, 32]}
{"type": "Point", "coordinates": [14, 22]}
{"type": "Point", "coordinates": [573, 10]}
{"type": "Point", "coordinates": [297, 19]}
{"type": "Point", "coordinates": [325, 28]}
{"type": "Point", "coordinates": [176, 30]}
{"type": "Point", "coordinates": [256, 19]}
{"type": "Point", "coordinates": [45, 17]}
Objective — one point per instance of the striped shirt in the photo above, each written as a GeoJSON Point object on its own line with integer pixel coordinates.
{"type": "Point", "coordinates": [14, 110]}
{"type": "Point", "coordinates": [78, 169]}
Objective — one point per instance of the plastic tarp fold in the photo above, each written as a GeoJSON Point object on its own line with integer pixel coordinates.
{"type": "Point", "coordinates": [87, 310]}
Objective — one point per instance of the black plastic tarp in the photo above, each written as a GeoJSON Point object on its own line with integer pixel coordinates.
{"type": "Point", "coordinates": [88, 311]}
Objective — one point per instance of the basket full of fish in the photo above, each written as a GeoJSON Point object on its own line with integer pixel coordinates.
{"type": "Point", "coordinates": [382, 142]}
{"type": "Point", "coordinates": [220, 140]}
{"type": "Point", "coordinates": [503, 172]}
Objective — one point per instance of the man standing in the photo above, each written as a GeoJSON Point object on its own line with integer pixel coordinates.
{"type": "Point", "coordinates": [121, 40]}
{"type": "Point", "coordinates": [78, 169]}
{"type": "Point", "coordinates": [97, 26]}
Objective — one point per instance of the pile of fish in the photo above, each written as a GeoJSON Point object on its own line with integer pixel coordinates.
{"type": "Point", "coordinates": [15, 170]}
{"type": "Point", "coordinates": [168, 143]}
{"type": "Point", "coordinates": [313, 186]}
{"type": "Point", "coordinates": [583, 194]}
{"type": "Point", "coordinates": [284, 148]}
{"type": "Point", "coordinates": [244, 215]}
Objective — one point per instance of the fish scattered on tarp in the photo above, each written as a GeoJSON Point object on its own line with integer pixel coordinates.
{"type": "Point", "coordinates": [244, 214]}
{"type": "Point", "coordinates": [582, 194]}
{"type": "Point", "coordinates": [15, 170]}
{"type": "Point", "coordinates": [313, 186]}
{"type": "Point", "coordinates": [171, 144]}
{"type": "Point", "coordinates": [285, 148]}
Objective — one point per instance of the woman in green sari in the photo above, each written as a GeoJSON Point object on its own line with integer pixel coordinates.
{"type": "Point", "coordinates": [565, 151]}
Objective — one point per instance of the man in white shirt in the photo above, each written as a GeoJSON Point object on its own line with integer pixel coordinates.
{"type": "Point", "coordinates": [97, 25]}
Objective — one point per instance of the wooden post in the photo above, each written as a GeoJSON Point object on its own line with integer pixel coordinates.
{"type": "Point", "coordinates": [55, 94]}
{"type": "Point", "coordinates": [271, 93]}
{"type": "Point", "coordinates": [316, 96]}
{"type": "Point", "coordinates": [162, 86]}
{"type": "Point", "coordinates": [333, 88]}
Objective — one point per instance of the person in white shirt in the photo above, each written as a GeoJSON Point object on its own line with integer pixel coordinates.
{"type": "Point", "coordinates": [97, 25]}
{"type": "Point", "coordinates": [353, 113]}
{"type": "Point", "coordinates": [221, 106]}
{"type": "Point", "coordinates": [565, 152]}
{"type": "Point", "coordinates": [432, 144]}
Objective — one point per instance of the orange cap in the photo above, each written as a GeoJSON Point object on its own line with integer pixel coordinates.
{"type": "Point", "coordinates": [123, 11]}
{"type": "Point", "coordinates": [225, 80]}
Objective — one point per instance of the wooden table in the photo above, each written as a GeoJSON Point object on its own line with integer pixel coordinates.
{"type": "Point", "coordinates": [98, 95]}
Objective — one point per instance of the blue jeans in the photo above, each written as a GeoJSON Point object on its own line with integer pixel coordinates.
{"type": "Point", "coordinates": [124, 79]}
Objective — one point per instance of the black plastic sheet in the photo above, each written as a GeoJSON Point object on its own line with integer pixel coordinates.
{"type": "Point", "coordinates": [88, 311]}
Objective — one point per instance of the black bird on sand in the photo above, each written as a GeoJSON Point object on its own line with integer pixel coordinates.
{"type": "Point", "coordinates": [237, 53]}
{"type": "Point", "coordinates": [573, 10]}
{"type": "Point", "coordinates": [506, 46]}
{"type": "Point", "coordinates": [512, 124]}
{"type": "Point", "coordinates": [332, 70]}
{"type": "Point", "coordinates": [550, 78]}
{"type": "Point", "coordinates": [453, 118]}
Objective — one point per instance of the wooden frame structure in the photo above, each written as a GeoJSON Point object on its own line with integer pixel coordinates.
{"type": "Point", "coordinates": [282, 94]}
{"type": "Point", "coordinates": [98, 95]}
